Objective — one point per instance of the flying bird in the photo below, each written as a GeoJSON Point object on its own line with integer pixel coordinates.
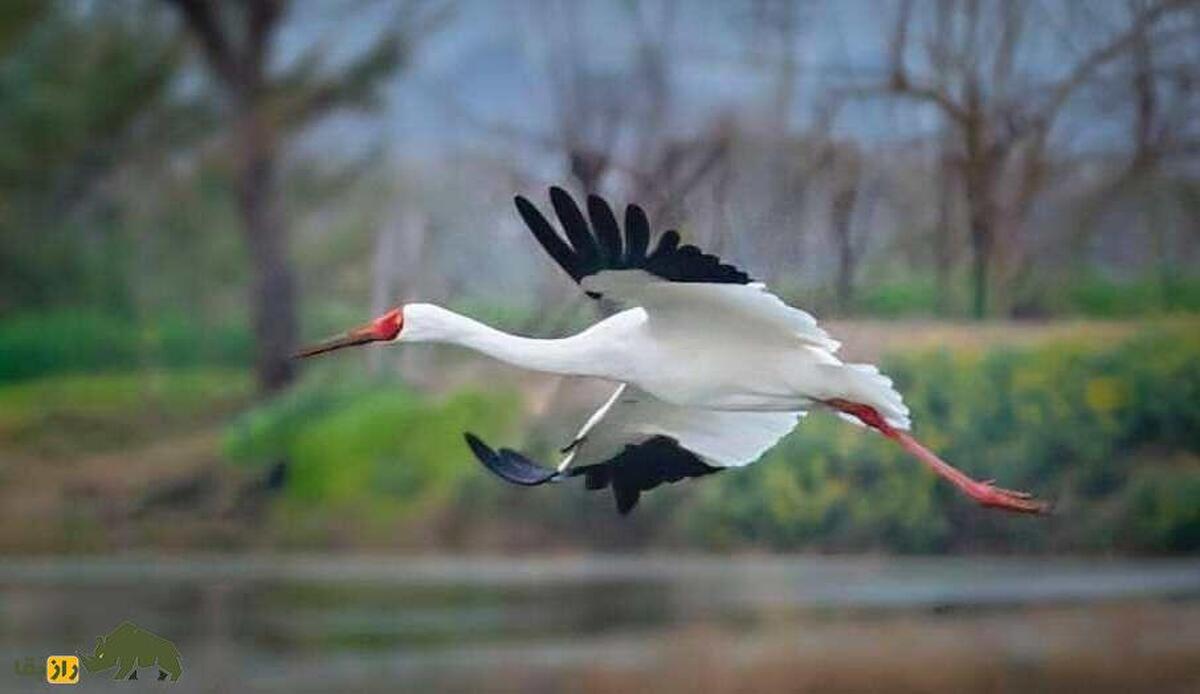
{"type": "Point", "coordinates": [710, 368]}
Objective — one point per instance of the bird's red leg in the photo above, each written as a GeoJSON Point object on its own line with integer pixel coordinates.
{"type": "Point", "coordinates": [982, 492]}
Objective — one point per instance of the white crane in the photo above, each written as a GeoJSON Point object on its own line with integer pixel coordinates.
{"type": "Point", "coordinates": [711, 368]}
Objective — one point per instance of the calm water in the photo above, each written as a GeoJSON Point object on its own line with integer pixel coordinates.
{"type": "Point", "coordinates": [333, 624]}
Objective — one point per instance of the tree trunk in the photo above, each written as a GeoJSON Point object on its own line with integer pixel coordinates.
{"type": "Point", "coordinates": [946, 224]}
{"type": "Point", "coordinates": [942, 257]}
{"type": "Point", "coordinates": [978, 177]}
{"type": "Point", "coordinates": [843, 209]}
{"type": "Point", "coordinates": [982, 233]}
{"type": "Point", "coordinates": [981, 242]}
{"type": "Point", "coordinates": [273, 289]}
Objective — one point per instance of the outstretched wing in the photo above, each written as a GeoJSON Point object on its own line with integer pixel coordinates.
{"type": "Point", "coordinates": [602, 245]}
{"type": "Point", "coordinates": [635, 442]}
{"type": "Point", "coordinates": [674, 283]}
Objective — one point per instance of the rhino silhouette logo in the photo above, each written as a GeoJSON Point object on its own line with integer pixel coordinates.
{"type": "Point", "coordinates": [129, 647]}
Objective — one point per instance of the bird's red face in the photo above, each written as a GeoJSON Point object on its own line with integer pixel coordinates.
{"type": "Point", "coordinates": [383, 329]}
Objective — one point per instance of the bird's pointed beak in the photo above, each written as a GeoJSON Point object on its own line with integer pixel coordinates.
{"type": "Point", "coordinates": [383, 329]}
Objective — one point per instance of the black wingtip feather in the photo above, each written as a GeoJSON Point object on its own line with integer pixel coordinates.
{"type": "Point", "coordinates": [593, 247]}
{"type": "Point", "coordinates": [509, 465]}
{"type": "Point", "coordinates": [604, 223]}
{"type": "Point", "coordinates": [642, 467]}
{"type": "Point", "coordinates": [576, 228]}
{"type": "Point", "coordinates": [637, 235]}
{"type": "Point", "coordinates": [667, 244]}
{"type": "Point", "coordinates": [478, 447]}
{"type": "Point", "coordinates": [548, 238]}
{"type": "Point", "coordinates": [636, 469]}
{"type": "Point", "coordinates": [627, 498]}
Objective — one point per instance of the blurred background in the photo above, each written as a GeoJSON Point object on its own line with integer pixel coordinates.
{"type": "Point", "coordinates": [999, 202]}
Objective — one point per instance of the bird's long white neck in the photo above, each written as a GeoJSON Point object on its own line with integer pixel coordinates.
{"type": "Point", "coordinates": [573, 355]}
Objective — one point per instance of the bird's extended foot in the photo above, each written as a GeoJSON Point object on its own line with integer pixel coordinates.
{"type": "Point", "coordinates": [985, 493]}
{"type": "Point", "coordinates": [1007, 499]}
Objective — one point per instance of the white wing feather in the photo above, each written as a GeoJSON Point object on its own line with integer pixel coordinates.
{"type": "Point", "coordinates": [691, 303]}
{"type": "Point", "coordinates": [752, 310]}
{"type": "Point", "coordinates": [719, 438]}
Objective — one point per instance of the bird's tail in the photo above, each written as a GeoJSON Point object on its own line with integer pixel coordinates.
{"type": "Point", "coordinates": [863, 383]}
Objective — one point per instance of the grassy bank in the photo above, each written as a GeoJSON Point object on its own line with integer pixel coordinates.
{"type": "Point", "coordinates": [1103, 418]}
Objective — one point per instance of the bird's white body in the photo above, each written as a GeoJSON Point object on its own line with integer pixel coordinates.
{"type": "Point", "coordinates": [710, 346]}
{"type": "Point", "coordinates": [725, 369]}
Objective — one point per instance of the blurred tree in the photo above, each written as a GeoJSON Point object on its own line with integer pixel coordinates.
{"type": "Point", "coordinates": [78, 87]}
{"type": "Point", "coordinates": [1000, 120]}
{"type": "Point", "coordinates": [845, 165]}
{"type": "Point", "coordinates": [265, 107]}
{"type": "Point", "coordinates": [16, 16]}
{"type": "Point", "coordinates": [615, 122]}
{"type": "Point", "coordinates": [1161, 90]}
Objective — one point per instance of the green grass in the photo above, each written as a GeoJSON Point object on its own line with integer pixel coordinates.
{"type": "Point", "coordinates": [913, 297]}
{"type": "Point", "coordinates": [60, 341]}
{"type": "Point", "coordinates": [81, 413]}
{"type": "Point", "coordinates": [1102, 298]}
{"type": "Point", "coordinates": [1082, 296]}
{"type": "Point", "coordinates": [84, 340]}
{"type": "Point", "coordinates": [352, 442]}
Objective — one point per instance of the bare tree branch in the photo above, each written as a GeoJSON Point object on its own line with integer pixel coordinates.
{"type": "Point", "coordinates": [201, 18]}
{"type": "Point", "coordinates": [1113, 49]}
{"type": "Point", "coordinates": [899, 44]}
{"type": "Point", "coordinates": [263, 18]}
{"type": "Point", "coordinates": [302, 95]}
{"type": "Point", "coordinates": [923, 93]}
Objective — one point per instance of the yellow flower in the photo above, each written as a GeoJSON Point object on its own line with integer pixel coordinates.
{"type": "Point", "coordinates": [1104, 395]}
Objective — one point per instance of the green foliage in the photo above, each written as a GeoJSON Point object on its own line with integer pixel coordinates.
{"type": "Point", "coordinates": [828, 485]}
{"type": "Point", "coordinates": [1081, 423]}
{"type": "Point", "coordinates": [16, 16]}
{"type": "Point", "coordinates": [1088, 295]}
{"type": "Point", "coordinates": [79, 414]}
{"type": "Point", "coordinates": [916, 296]}
{"type": "Point", "coordinates": [352, 442]}
{"type": "Point", "coordinates": [1102, 298]}
{"type": "Point", "coordinates": [1163, 508]}
{"type": "Point", "coordinates": [73, 341]}
{"type": "Point", "coordinates": [75, 82]}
